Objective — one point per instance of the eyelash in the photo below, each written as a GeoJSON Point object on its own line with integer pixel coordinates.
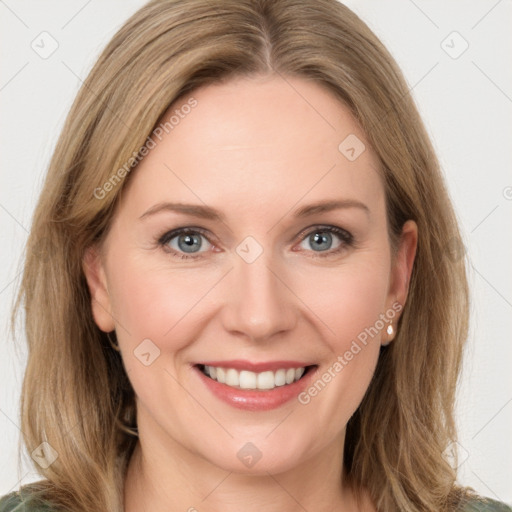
{"type": "Point", "coordinates": [347, 240]}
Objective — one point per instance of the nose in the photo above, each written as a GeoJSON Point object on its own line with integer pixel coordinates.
{"type": "Point", "coordinates": [260, 303]}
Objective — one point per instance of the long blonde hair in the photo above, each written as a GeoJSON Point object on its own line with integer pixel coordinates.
{"type": "Point", "coordinates": [76, 396]}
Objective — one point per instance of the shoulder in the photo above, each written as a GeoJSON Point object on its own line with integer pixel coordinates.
{"type": "Point", "coordinates": [482, 505]}
{"type": "Point", "coordinates": [22, 502]}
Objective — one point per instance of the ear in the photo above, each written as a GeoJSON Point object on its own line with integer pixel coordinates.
{"type": "Point", "coordinates": [401, 272]}
{"type": "Point", "coordinates": [94, 271]}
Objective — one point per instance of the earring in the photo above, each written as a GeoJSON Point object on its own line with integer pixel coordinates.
{"type": "Point", "coordinates": [114, 345]}
{"type": "Point", "coordinates": [390, 330]}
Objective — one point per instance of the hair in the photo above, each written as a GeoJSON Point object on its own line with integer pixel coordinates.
{"type": "Point", "coordinates": [76, 395]}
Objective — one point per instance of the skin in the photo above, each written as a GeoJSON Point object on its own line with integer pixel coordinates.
{"type": "Point", "coordinates": [256, 149]}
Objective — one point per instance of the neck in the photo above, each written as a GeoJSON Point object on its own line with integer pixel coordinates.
{"type": "Point", "coordinates": [165, 476]}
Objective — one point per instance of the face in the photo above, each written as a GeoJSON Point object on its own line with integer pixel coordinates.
{"type": "Point", "coordinates": [247, 281]}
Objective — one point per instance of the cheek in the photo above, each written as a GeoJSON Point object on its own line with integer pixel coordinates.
{"type": "Point", "coordinates": [347, 300]}
{"type": "Point", "coordinates": [155, 301]}
{"type": "Point", "coordinates": [350, 302]}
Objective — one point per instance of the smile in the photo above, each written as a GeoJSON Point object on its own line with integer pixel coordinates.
{"type": "Point", "coordinates": [245, 379]}
{"type": "Point", "coordinates": [255, 386]}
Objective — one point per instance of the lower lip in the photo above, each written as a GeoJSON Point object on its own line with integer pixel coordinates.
{"type": "Point", "coordinates": [254, 400]}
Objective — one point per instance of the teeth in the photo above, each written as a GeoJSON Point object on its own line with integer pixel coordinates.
{"type": "Point", "coordinates": [232, 377]}
{"type": "Point", "coordinates": [280, 378]}
{"type": "Point", "coordinates": [266, 380]}
{"type": "Point", "coordinates": [250, 380]}
{"type": "Point", "coordinates": [221, 374]}
{"type": "Point", "coordinates": [247, 379]}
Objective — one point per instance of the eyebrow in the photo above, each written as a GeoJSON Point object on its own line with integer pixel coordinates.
{"type": "Point", "coordinates": [208, 213]}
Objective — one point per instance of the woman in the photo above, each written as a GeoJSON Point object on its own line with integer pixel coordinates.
{"type": "Point", "coordinates": [193, 346]}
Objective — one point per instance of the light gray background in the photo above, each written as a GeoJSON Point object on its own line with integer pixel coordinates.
{"type": "Point", "coordinates": [465, 102]}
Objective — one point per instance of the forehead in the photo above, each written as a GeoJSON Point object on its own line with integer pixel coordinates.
{"type": "Point", "coordinates": [258, 143]}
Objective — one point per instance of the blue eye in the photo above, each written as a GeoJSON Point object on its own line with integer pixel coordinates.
{"type": "Point", "coordinates": [186, 243]}
{"type": "Point", "coordinates": [321, 238]}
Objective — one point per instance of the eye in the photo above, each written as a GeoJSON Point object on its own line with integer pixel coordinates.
{"type": "Point", "coordinates": [322, 238]}
{"type": "Point", "coordinates": [184, 243]}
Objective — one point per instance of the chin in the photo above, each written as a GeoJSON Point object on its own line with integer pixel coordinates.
{"type": "Point", "coordinates": [259, 456]}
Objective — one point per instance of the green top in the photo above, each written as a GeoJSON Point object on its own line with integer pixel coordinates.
{"type": "Point", "coordinates": [13, 502]}
{"type": "Point", "coordinates": [482, 505]}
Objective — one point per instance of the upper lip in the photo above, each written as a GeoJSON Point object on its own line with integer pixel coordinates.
{"type": "Point", "coordinates": [239, 364]}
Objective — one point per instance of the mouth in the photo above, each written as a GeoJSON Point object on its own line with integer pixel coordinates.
{"type": "Point", "coordinates": [249, 380]}
{"type": "Point", "coordinates": [255, 386]}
